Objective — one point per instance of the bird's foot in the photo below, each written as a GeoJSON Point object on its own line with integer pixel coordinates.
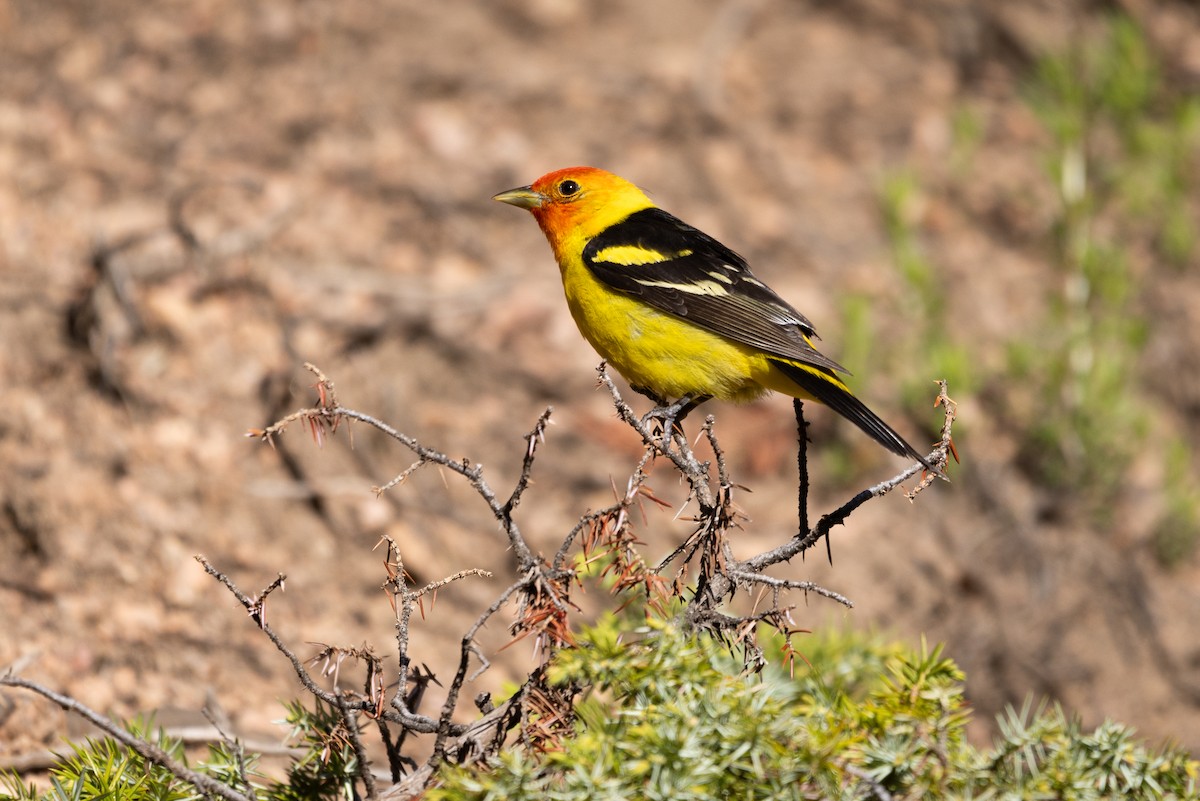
{"type": "Point", "coordinates": [670, 415]}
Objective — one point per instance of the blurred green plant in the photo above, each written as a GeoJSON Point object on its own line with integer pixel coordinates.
{"type": "Point", "coordinates": [1178, 530]}
{"type": "Point", "coordinates": [1124, 158]}
{"type": "Point", "coordinates": [967, 134]}
{"type": "Point", "coordinates": [1125, 139]}
{"type": "Point", "coordinates": [931, 340]}
{"type": "Point", "coordinates": [929, 348]}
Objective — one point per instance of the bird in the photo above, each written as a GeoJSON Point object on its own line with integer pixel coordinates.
{"type": "Point", "coordinates": [678, 314]}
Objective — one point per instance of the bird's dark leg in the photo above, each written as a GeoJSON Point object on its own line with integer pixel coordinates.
{"type": "Point", "coordinates": [686, 408]}
{"type": "Point", "coordinates": [802, 466]}
{"type": "Point", "coordinates": [671, 414]}
{"type": "Point", "coordinates": [649, 393]}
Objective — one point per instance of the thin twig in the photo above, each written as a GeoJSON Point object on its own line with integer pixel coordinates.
{"type": "Point", "coordinates": [400, 477]}
{"type": "Point", "coordinates": [538, 434]}
{"type": "Point", "coordinates": [350, 724]}
{"type": "Point", "coordinates": [416, 722]}
{"type": "Point", "coordinates": [681, 456]}
{"type": "Point", "coordinates": [472, 473]}
{"type": "Point", "coordinates": [789, 584]}
{"type": "Point", "coordinates": [799, 543]}
{"type": "Point", "coordinates": [147, 750]}
{"type": "Point", "coordinates": [945, 449]}
{"type": "Point", "coordinates": [468, 640]}
{"type": "Point", "coordinates": [397, 582]}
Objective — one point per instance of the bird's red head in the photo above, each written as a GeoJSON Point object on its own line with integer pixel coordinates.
{"type": "Point", "coordinates": [577, 202]}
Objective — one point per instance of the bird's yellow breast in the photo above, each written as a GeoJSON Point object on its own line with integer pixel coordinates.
{"type": "Point", "coordinates": [658, 351]}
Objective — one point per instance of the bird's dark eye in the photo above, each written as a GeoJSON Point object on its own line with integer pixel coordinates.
{"type": "Point", "coordinates": [568, 188]}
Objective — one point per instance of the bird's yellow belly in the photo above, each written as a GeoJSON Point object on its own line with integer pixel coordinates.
{"type": "Point", "coordinates": [665, 354]}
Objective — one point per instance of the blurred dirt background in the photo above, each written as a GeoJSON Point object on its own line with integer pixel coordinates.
{"type": "Point", "coordinates": [198, 197]}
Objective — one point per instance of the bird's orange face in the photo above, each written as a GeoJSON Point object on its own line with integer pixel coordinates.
{"type": "Point", "coordinates": [576, 201]}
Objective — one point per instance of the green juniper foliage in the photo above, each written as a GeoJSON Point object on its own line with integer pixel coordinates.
{"type": "Point", "coordinates": [674, 717]}
{"type": "Point", "coordinates": [105, 769]}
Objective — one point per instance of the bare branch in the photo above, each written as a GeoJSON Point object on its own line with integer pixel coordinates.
{"type": "Point", "coordinates": [538, 434]}
{"type": "Point", "coordinates": [945, 447]}
{"type": "Point", "coordinates": [415, 722]}
{"type": "Point", "coordinates": [468, 640]}
{"type": "Point", "coordinates": [681, 456]}
{"type": "Point", "coordinates": [147, 750]}
{"type": "Point", "coordinates": [746, 577]}
{"type": "Point", "coordinates": [350, 724]}
{"type": "Point", "coordinates": [805, 540]}
{"type": "Point", "coordinates": [400, 478]}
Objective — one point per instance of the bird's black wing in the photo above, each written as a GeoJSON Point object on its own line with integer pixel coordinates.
{"type": "Point", "coordinates": [679, 269]}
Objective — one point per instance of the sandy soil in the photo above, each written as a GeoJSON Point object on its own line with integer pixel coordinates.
{"type": "Point", "coordinates": [198, 197]}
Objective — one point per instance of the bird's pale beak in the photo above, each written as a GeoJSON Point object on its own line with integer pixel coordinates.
{"type": "Point", "coordinates": [523, 197]}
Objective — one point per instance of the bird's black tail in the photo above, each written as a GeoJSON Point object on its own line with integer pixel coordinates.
{"type": "Point", "coordinates": [836, 397]}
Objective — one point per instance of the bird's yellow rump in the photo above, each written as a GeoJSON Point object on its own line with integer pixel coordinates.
{"type": "Point", "coordinates": [677, 313]}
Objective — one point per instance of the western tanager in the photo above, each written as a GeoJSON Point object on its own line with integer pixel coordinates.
{"type": "Point", "coordinates": [677, 313]}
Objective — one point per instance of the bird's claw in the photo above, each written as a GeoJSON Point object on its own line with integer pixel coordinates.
{"type": "Point", "coordinates": [670, 415]}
